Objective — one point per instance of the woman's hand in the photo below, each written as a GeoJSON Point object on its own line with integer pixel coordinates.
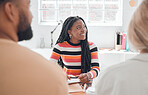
{"type": "Point", "coordinates": [86, 85]}
{"type": "Point", "coordinates": [84, 77]}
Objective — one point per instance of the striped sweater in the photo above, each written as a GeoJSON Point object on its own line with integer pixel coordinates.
{"type": "Point", "coordinates": [71, 56]}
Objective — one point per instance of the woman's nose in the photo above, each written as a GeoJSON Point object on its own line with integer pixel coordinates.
{"type": "Point", "coordinates": [83, 30]}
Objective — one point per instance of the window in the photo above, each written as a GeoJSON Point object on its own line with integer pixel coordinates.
{"type": "Point", "coordinates": [94, 12]}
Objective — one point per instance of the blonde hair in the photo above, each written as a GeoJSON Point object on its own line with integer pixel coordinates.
{"type": "Point", "coordinates": [138, 27]}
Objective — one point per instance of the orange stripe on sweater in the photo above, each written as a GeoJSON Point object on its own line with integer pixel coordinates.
{"type": "Point", "coordinates": [72, 72]}
{"type": "Point", "coordinates": [94, 55]}
{"type": "Point", "coordinates": [72, 60]}
{"type": "Point", "coordinates": [71, 57]}
{"type": "Point", "coordinates": [55, 56]}
{"type": "Point", "coordinates": [94, 73]}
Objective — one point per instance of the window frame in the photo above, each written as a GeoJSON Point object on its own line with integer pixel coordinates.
{"type": "Point", "coordinates": [55, 22]}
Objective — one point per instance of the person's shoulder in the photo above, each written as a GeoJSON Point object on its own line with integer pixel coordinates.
{"type": "Point", "coordinates": [33, 70]}
{"type": "Point", "coordinates": [113, 70]}
{"type": "Point", "coordinates": [92, 45]}
{"type": "Point", "coordinates": [32, 58]}
{"type": "Point", "coordinates": [63, 44]}
{"type": "Point", "coordinates": [23, 54]}
{"type": "Point", "coordinates": [117, 69]}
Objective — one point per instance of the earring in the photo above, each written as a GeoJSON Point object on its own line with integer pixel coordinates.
{"type": "Point", "coordinates": [70, 36]}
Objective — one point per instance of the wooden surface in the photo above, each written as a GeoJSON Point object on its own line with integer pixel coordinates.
{"type": "Point", "coordinates": [73, 88]}
{"type": "Point", "coordinates": [77, 93]}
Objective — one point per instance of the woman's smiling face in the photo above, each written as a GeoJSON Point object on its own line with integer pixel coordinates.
{"type": "Point", "coordinates": [78, 31]}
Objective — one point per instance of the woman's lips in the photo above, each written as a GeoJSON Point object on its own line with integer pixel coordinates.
{"type": "Point", "coordinates": [82, 34]}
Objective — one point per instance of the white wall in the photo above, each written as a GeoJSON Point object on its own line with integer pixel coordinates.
{"type": "Point", "coordinates": [103, 37]}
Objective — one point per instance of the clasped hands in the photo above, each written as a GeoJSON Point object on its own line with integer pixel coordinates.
{"type": "Point", "coordinates": [85, 79]}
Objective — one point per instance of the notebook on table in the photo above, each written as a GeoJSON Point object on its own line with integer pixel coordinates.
{"type": "Point", "coordinates": [74, 88]}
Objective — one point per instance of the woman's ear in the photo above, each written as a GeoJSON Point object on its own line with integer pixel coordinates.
{"type": "Point", "coordinates": [11, 12]}
{"type": "Point", "coordinates": [69, 32]}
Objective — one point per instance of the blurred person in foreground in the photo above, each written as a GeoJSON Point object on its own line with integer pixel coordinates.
{"type": "Point", "coordinates": [23, 72]}
{"type": "Point", "coordinates": [131, 76]}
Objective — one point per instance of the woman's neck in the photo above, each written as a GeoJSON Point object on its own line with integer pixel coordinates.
{"type": "Point", "coordinates": [74, 41]}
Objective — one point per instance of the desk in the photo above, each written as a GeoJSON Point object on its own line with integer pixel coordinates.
{"type": "Point", "coordinates": [77, 93]}
{"type": "Point", "coordinates": [89, 91]}
{"type": "Point", "coordinates": [106, 58]}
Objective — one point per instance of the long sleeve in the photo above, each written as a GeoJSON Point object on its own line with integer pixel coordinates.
{"type": "Point", "coordinates": [94, 61]}
{"type": "Point", "coordinates": [56, 53]}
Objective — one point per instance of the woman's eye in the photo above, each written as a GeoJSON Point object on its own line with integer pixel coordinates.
{"type": "Point", "coordinates": [78, 27]}
{"type": "Point", "coordinates": [84, 27]}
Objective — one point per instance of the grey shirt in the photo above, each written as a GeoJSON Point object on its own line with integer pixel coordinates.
{"type": "Point", "coordinates": [127, 78]}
